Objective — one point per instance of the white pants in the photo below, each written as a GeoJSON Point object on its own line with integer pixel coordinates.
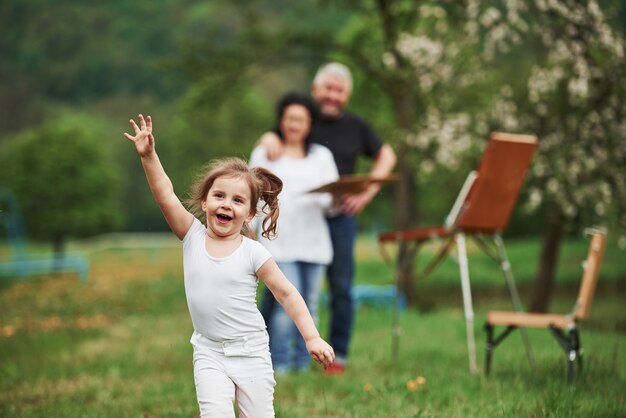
{"type": "Point", "coordinates": [238, 369]}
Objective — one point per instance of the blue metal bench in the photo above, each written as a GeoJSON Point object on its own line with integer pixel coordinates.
{"type": "Point", "coordinates": [22, 264]}
{"type": "Point", "coordinates": [376, 296]}
{"type": "Point", "coordinates": [379, 296]}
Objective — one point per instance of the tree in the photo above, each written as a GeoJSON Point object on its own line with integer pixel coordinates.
{"type": "Point", "coordinates": [554, 68]}
{"type": "Point", "coordinates": [567, 88]}
{"type": "Point", "coordinates": [572, 95]}
{"type": "Point", "coordinates": [65, 179]}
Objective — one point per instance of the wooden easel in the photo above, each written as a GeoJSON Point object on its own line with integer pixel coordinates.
{"type": "Point", "coordinates": [481, 211]}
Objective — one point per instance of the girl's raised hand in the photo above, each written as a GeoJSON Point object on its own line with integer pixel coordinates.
{"type": "Point", "coordinates": [143, 139]}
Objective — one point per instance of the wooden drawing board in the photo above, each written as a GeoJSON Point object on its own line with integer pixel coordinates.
{"type": "Point", "coordinates": [499, 178]}
{"type": "Point", "coordinates": [354, 183]}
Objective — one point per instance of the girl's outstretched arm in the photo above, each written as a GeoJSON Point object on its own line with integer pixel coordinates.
{"type": "Point", "coordinates": [287, 295]}
{"type": "Point", "coordinates": [177, 217]}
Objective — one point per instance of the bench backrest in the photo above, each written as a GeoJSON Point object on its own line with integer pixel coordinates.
{"type": "Point", "coordinates": [591, 274]}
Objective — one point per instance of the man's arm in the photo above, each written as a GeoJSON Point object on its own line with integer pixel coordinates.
{"type": "Point", "coordinates": [384, 162]}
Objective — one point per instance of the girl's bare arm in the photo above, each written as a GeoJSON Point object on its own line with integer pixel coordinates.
{"type": "Point", "coordinates": [177, 217]}
{"type": "Point", "coordinates": [287, 295]}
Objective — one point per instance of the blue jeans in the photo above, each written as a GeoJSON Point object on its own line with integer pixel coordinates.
{"type": "Point", "coordinates": [286, 344]}
{"type": "Point", "coordinates": [343, 229]}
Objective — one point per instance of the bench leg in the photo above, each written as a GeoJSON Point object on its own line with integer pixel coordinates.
{"type": "Point", "coordinates": [575, 335]}
{"type": "Point", "coordinates": [575, 354]}
{"type": "Point", "coordinates": [492, 343]}
{"type": "Point", "coordinates": [571, 345]}
{"type": "Point", "coordinates": [489, 348]}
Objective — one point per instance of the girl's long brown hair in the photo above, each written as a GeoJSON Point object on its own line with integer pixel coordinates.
{"type": "Point", "coordinates": [264, 185]}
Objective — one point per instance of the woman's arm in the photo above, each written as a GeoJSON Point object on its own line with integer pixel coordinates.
{"type": "Point", "coordinates": [325, 172]}
{"type": "Point", "coordinates": [328, 174]}
{"type": "Point", "coordinates": [177, 217]}
{"type": "Point", "coordinates": [287, 295]}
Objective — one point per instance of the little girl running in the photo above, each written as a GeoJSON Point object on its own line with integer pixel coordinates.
{"type": "Point", "coordinates": [231, 357]}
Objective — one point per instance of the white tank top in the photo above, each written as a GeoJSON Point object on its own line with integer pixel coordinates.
{"type": "Point", "coordinates": [221, 292]}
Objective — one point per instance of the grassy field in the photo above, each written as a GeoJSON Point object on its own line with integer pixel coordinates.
{"type": "Point", "coordinates": [118, 345]}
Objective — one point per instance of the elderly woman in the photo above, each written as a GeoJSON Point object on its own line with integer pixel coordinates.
{"type": "Point", "coordinates": [303, 246]}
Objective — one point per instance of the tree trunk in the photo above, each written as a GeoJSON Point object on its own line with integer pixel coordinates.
{"type": "Point", "coordinates": [405, 192]}
{"type": "Point", "coordinates": [58, 246]}
{"type": "Point", "coordinates": [401, 87]}
{"type": "Point", "coordinates": [544, 281]}
{"type": "Point", "coordinates": [405, 213]}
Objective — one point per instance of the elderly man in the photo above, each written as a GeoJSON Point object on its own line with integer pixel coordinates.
{"type": "Point", "coordinates": [348, 137]}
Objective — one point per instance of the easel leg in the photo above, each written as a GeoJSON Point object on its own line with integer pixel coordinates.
{"type": "Point", "coordinates": [467, 301]}
{"type": "Point", "coordinates": [517, 304]}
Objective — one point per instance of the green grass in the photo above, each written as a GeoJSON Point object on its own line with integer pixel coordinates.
{"type": "Point", "coordinates": [118, 346]}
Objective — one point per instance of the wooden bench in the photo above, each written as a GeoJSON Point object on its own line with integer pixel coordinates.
{"type": "Point", "coordinates": [563, 327]}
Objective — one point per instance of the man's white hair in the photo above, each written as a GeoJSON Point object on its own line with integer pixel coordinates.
{"type": "Point", "coordinates": [335, 69]}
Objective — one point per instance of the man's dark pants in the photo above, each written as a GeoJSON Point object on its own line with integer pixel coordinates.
{"type": "Point", "coordinates": [343, 229]}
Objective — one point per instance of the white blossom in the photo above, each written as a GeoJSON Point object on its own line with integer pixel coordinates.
{"type": "Point", "coordinates": [428, 166]}
{"type": "Point", "coordinates": [578, 88]}
{"type": "Point", "coordinates": [389, 60]}
{"type": "Point", "coordinates": [490, 17]}
{"type": "Point", "coordinates": [535, 197]}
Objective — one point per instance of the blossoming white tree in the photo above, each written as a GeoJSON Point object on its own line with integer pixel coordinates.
{"type": "Point", "coordinates": [454, 71]}
{"type": "Point", "coordinates": [573, 97]}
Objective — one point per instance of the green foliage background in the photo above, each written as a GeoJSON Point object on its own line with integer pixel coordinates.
{"type": "Point", "coordinates": [209, 73]}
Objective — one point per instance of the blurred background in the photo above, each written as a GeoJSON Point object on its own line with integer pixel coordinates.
{"type": "Point", "coordinates": [433, 77]}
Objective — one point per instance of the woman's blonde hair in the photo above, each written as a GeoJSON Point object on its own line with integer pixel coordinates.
{"type": "Point", "coordinates": [264, 185]}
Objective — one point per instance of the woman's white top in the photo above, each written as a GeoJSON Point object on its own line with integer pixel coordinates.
{"type": "Point", "coordinates": [302, 229]}
{"type": "Point", "coordinates": [221, 292]}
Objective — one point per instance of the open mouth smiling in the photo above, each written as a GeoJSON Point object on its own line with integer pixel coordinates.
{"type": "Point", "coordinates": [223, 218]}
